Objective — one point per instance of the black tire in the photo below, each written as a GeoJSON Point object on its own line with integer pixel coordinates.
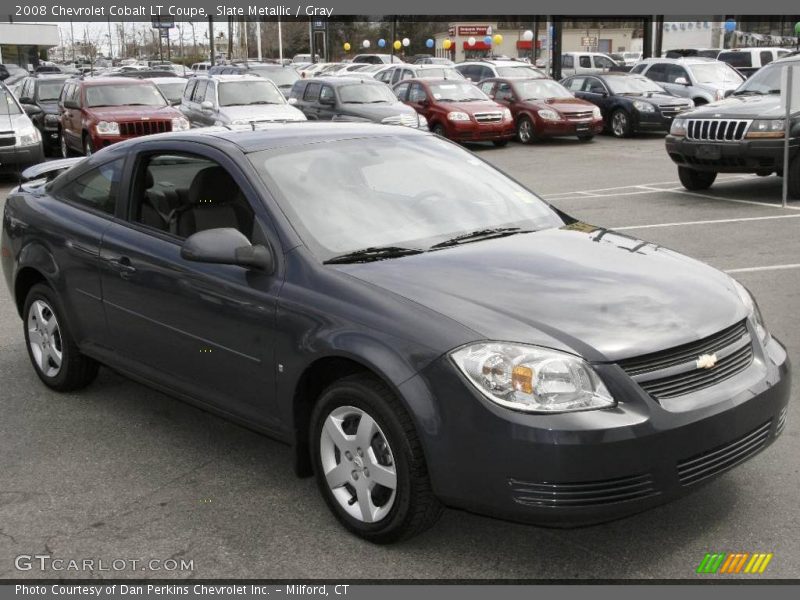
{"type": "Point", "coordinates": [439, 129]}
{"type": "Point", "coordinates": [414, 507]}
{"type": "Point", "coordinates": [620, 124]}
{"type": "Point", "coordinates": [526, 131]}
{"type": "Point", "coordinates": [88, 147]}
{"type": "Point", "coordinates": [700, 101]}
{"type": "Point", "coordinates": [500, 143]}
{"type": "Point", "coordinates": [696, 180]}
{"type": "Point", "coordinates": [585, 138]}
{"type": "Point", "coordinates": [76, 370]}
{"type": "Point", "coordinates": [794, 178]}
{"type": "Point", "coordinates": [62, 142]}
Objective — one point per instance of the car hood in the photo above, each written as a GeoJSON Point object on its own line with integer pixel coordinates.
{"type": "Point", "coordinates": [262, 112]}
{"type": "Point", "coordinates": [376, 112]}
{"type": "Point", "coordinates": [133, 113]}
{"type": "Point", "coordinates": [660, 99]}
{"type": "Point", "coordinates": [562, 105]}
{"type": "Point", "coordinates": [744, 107]}
{"type": "Point", "coordinates": [473, 107]}
{"type": "Point", "coordinates": [587, 290]}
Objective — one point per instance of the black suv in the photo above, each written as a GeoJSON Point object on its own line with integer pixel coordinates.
{"type": "Point", "coordinates": [351, 99]}
{"type": "Point", "coordinates": [38, 96]}
{"type": "Point", "coordinates": [742, 134]}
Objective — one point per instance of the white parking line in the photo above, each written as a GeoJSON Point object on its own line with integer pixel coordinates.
{"type": "Point", "coordinates": [678, 190]}
{"type": "Point", "coordinates": [711, 222]}
{"type": "Point", "coordinates": [633, 185]}
{"type": "Point", "coordinates": [767, 268]}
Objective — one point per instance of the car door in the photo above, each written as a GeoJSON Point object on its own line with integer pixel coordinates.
{"type": "Point", "coordinates": [187, 106]}
{"type": "Point", "coordinates": [67, 114]}
{"type": "Point", "coordinates": [203, 330]}
{"type": "Point", "coordinates": [674, 75]}
{"type": "Point", "coordinates": [311, 106]}
{"type": "Point", "coordinates": [418, 99]}
{"type": "Point", "coordinates": [210, 117]}
{"type": "Point", "coordinates": [596, 92]}
{"type": "Point", "coordinates": [326, 103]}
{"type": "Point", "coordinates": [504, 94]}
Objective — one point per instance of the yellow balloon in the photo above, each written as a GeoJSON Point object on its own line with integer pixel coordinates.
{"type": "Point", "coordinates": [347, 46]}
{"type": "Point", "coordinates": [446, 44]}
{"type": "Point", "coordinates": [498, 39]}
{"type": "Point", "coordinates": [398, 44]}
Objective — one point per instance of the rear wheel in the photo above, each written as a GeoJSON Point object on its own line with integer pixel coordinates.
{"type": "Point", "coordinates": [696, 180]}
{"type": "Point", "coordinates": [51, 348]}
{"type": "Point", "coordinates": [526, 132]}
{"type": "Point", "coordinates": [621, 124]}
{"type": "Point", "coordinates": [368, 462]}
{"type": "Point", "coordinates": [794, 177]}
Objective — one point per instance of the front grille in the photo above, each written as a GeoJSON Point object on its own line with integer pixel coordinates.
{"type": "Point", "coordinates": [717, 460]}
{"type": "Point", "coordinates": [670, 110]}
{"type": "Point", "coordinates": [489, 117]}
{"type": "Point", "coordinates": [579, 116]}
{"type": "Point", "coordinates": [675, 372]}
{"type": "Point", "coordinates": [582, 494]}
{"type": "Point", "coordinates": [135, 128]}
{"type": "Point", "coordinates": [407, 120]}
{"type": "Point", "coordinates": [719, 130]}
{"type": "Point", "coordinates": [781, 420]}
{"type": "Point", "coordinates": [7, 138]}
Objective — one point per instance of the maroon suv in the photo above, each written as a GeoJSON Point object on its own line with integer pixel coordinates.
{"type": "Point", "coordinates": [543, 108]}
{"type": "Point", "coordinates": [458, 110]}
{"type": "Point", "coordinates": [99, 112]}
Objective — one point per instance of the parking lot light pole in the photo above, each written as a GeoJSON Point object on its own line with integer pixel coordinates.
{"type": "Point", "coordinates": [788, 101]}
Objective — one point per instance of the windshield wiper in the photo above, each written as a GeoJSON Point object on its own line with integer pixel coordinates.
{"type": "Point", "coordinates": [480, 234]}
{"type": "Point", "coordinates": [746, 92]}
{"type": "Point", "coordinates": [372, 253]}
{"type": "Point", "coordinates": [378, 101]}
{"type": "Point", "coordinates": [262, 102]}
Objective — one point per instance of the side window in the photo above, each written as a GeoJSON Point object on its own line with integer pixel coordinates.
{"type": "Point", "coordinates": [312, 92]}
{"type": "Point", "coordinates": [594, 86]}
{"type": "Point", "coordinates": [327, 93]}
{"type": "Point", "coordinates": [638, 68]}
{"type": "Point", "coordinates": [576, 84]}
{"type": "Point", "coordinates": [211, 92]}
{"type": "Point", "coordinates": [182, 194]}
{"type": "Point", "coordinates": [486, 87]}
{"type": "Point", "coordinates": [585, 62]}
{"type": "Point", "coordinates": [504, 92]}
{"type": "Point", "coordinates": [470, 72]}
{"type": "Point", "coordinates": [602, 62]}
{"type": "Point", "coordinates": [484, 73]}
{"type": "Point", "coordinates": [401, 91]}
{"type": "Point", "coordinates": [417, 93]}
{"type": "Point", "coordinates": [187, 92]}
{"type": "Point", "coordinates": [675, 72]}
{"type": "Point", "coordinates": [96, 189]}
{"type": "Point", "coordinates": [766, 57]}
{"type": "Point", "coordinates": [396, 75]}
{"type": "Point", "coordinates": [65, 92]}
{"type": "Point", "coordinates": [657, 72]}
{"type": "Point", "coordinates": [297, 89]}
{"type": "Point", "coordinates": [407, 75]}
{"type": "Point", "coordinates": [568, 61]}
{"type": "Point", "coordinates": [200, 91]}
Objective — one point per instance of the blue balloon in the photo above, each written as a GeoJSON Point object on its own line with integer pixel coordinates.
{"type": "Point", "coordinates": [429, 43]}
{"type": "Point", "coordinates": [381, 42]}
{"type": "Point", "coordinates": [487, 40]}
{"type": "Point", "coordinates": [730, 25]}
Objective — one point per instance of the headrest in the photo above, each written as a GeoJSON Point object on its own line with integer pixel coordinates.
{"type": "Point", "coordinates": [212, 185]}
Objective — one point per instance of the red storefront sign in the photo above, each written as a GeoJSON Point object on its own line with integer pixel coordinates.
{"type": "Point", "coordinates": [472, 29]}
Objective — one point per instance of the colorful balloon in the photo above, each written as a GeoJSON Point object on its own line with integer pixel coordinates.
{"type": "Point", "coordinates": [406, 42]}
{"type": "Point", "coordinates": [382, 43]}
{"type": "Point", "coordinates": [365, 43]}
{"type": "Point", "coordinates": [429, 43]}
{"type": "Point", "coordinates": [347, 46]}
{"type": "Point", "coordinates": [487, 40]}
{"type": "Point", "coordinates": [447, 44]}
{"type": "Point", "coordinates": [398, 44]}
{"type": "Point", "coordinates": [527, 36]}
{"type": "Point", "coordinates": [497, 39]}
{"type": "Point", "coordinates": [471, 41]}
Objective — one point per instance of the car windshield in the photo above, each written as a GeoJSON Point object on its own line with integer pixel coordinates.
{"type": "Point", "coordinates": [172, 90]}
{"type": "Point", "coordinates": [541, 88]}
{"type": "Point", "coordinates": [49, 91]}
{"type": "Point", "coordinates": [240, 93]}
{"type": "Point", "coordinates": [143, 94]}
{"type": "Point", "coordinates": [765, 81]}
{"type": "Point", "coordinates": [438, 72]}
{"type": "Point", "coordinates": [634, 84]}
{"type": "Point", "coordinates": [518, 71]}
{"type": "Point", "coordinates": [456, 92]}
{"type": "Point", "coordinates": [716, 73]}
{"type": "Point", "coordinates": [365, 93]}
{"type": "Point", "coordinates": [404, 191]}
{"type": "Point", "coordinates": [7, 104]}
{"type": "Point", "coordinates": [282, 76]}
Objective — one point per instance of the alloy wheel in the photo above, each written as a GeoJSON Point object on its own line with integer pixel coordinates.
{"type": "Point", "coordinates": [64, 148]}
{"type": "Point", "coordinates": [619, 124]}
{"type": "Point", "coordinates": [44, 338]}
{"type": "Point", "coordinates": [87, 147]}
{"type": "Point", "coordinates": [525, 131]}
{"type": "Point", "coordinates": [358, 464]}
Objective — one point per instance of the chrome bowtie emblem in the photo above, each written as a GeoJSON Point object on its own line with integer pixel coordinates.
{"type": "Point", "coordinates": [706, 361]}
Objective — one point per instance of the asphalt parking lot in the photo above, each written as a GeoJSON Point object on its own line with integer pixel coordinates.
{"type": "Point", "coordinates": [120, 471]}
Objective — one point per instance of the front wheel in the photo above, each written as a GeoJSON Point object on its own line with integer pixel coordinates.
{"type": "Point", "coordinates": [621, 124]}
{"type": "Point", "coordinates": [696, 180]}
{"type": "Point", "coordinates": [526, 133]}
{"type": "Point", "coordinates": [439, 130]}
{"type": "Point", "coordinates": [55, 357]}
{"type": "Point", "coordinates": [62, 140]}
{"type": "Point", "coordinates": [368, 462]}
{"type": "Point", "coordinates": [88, 147]}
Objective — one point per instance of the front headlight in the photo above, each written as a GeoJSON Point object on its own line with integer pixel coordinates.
{"type": "Point", "coordinates": [107, 128]}
{"type": "Point", "coordinates": [532, 379]}
{"type": "Point", "coordinates": [457, 116]}
{"type": "Point", "coordinates": [753, 312]}
{"type": "Point", "coordinates": [644, 107]}
{"type": "Point", "coordinates": [422, 122]}
{"type": "Point", "coordinates": [596, 112]}
{"type": "Point", "coordinates": [766, 128]}
{"type": "Point", "coordinates": [678, 128]}
{"type": "Point", "coordinates": [28, 135]}
{"type": "Point", "coordinates": [507, 115]}
{"type": "Point", "coordinates": [180, 124]}
{"type": "Point", "coordinates": [549, 115]}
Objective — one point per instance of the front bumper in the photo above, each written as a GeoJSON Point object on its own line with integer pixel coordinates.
{"type": "Point", "coordinates": [654, 121]}
{"type": "Point", "coordinates": [593, 466]}
{"type": "Point", "coordinates": [744, 156]}
{"type": "Point", "coordinates": [16, 158]}
{"type": "Point", "coordinates": [470, 131]}
{"type": "Point", "coordinates": [567, 127]}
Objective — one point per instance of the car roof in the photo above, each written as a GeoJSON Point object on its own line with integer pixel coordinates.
{"type": "Point", "coordinates": [682, 59]}
{"type": "Point", "coordinates": [158, 80]}
{"type": "Point", "coordinates": [110, 80]}
{"type": "Point", "coordinates": [231, 77]}
{"type": "Point", "coordinates": [339, 81]}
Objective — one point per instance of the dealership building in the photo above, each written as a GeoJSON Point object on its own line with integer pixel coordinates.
{"type": "Point", "coordinates": [26, 44]}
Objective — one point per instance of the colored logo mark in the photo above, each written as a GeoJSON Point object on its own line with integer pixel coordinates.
{"type": "Point", "coordinates": [722, 563]}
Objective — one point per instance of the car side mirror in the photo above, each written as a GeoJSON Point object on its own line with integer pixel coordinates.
{"type": "Point", "coordinates": [25, 100]}
{"type": "Point", "coordinates": [31, 109]}
{"type": "Point", "coordinates": [207, 106]}
{"type": "Point", "coordinates": [227, 246]}
{"type": "Point", "coordinates": [681, 81]}
{"type": "Point", "coordinates": [424, 102]}
{"type": "Point", "coordinates": [728, 93]}
{"type": "Point", "coordinates": [70, 104]}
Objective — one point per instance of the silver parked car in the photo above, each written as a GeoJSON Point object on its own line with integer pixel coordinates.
{"type": "Point", "coordinates": [703, 80]}
{"type": "Point", "coordinates": [235, 100]}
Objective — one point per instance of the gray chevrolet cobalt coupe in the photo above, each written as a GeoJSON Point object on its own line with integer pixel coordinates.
{"type": "Point", "coordinates": [420, 328]}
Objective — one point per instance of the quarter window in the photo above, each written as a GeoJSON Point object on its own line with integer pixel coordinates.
{"type": "Point", "coordinates": [312, 92]}
{"type": "Point", "coordinates": [401, 90]}
{"type": "Point", "coordinates": [585, 62]}
{"type": "Point", "coordinates": [766, 57]}
{"type": "Point", "coordinates": [576, 84]}
{"type": "Point", "coordinates": [657, 72]}
{"type": "Point", "coordinates": [567, 61]}
{"type": "Point", "coordinates": [326, 93]}
{"type": "Point", "coordinates": [200, 91]}
{"type": "Point", "coordinates": [98, 189]}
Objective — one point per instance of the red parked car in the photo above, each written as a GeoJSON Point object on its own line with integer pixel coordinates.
{"type": "Point", "coordinates": [543, 108]}
{"type": "Point", "coordinates": [458, 110]}
{"type": "Point", "coordinates": [99, 112]}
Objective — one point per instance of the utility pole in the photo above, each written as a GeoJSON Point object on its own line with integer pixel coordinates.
{"type": "Point", "coordinates": [258, 38]}
{"type": "Point", "coordinates": [280, 40]}
{"type": "Point", "coordinates": [72, 38]}
{"type": "Point", "coordinates": [211, 52]}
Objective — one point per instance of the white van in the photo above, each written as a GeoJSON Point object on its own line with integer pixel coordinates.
{"type": "Point", "coordinates": [749, 60]}
{"type": "Point", "coordinates": [582, 63]}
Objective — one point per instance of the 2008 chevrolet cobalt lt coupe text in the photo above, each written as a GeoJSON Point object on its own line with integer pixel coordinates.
{"type": "Point", "coordinates": [421, 328]}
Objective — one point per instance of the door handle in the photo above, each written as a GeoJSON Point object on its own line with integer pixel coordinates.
{"type": "Point", "coordinates": [122, 264]}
